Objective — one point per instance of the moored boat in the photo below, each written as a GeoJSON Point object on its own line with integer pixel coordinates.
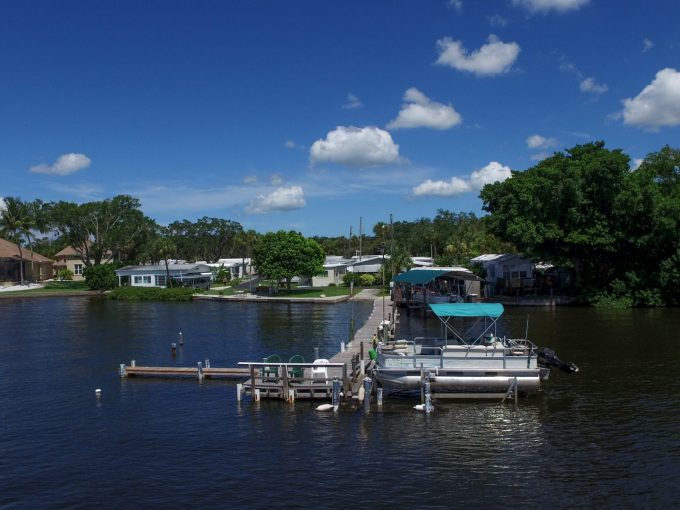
{"type": "Point", "coordinates": [469, 358]}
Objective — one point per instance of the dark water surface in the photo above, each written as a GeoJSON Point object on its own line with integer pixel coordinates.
{"type": "Point", "coordinates": [607, 437]}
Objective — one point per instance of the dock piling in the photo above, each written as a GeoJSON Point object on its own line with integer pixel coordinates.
{"type": "Point", "coordinates": [379, 396]}
{"type": "Point", "coordinates": [133, 363]}
{"type": "Point", "coordinates": [336, 393]}
{"type": "Point", "coordinates": [239, 392]}
{"type": "Point", "coordinates": [316, 353]}
{"type": "Point", "coordinates": [368, 384]}
{"type": "Point", "coordinates": [200, 371]}
{"type": "Point", "coordinates": [181, 338]}
{"type": "Point", "coordinates": [122, 369]}
{"type": "Point", "coordinates": [428, 396]}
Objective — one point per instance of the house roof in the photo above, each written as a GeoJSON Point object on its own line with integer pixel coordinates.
{"type": "Point", "coordinates": [160, 268]}
{"type": "Point", "coordinates": [9, 250]}
{"type": "Point", "coordinates": [420, 276]}
{"type": "Point", "coordinates": [497, 257]}
{"type": "Point", "coordinates": [66, 252]}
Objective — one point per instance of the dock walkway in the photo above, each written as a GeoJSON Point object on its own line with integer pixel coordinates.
{"type": "Point", "coordinates": [256, 376]}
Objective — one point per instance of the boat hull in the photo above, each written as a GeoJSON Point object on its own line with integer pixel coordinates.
{"type": "Point", "coordinates": [406, 382]}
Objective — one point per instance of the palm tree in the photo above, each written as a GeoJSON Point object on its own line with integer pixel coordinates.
{"type": "Point", "coordinates": [16, 222]}
{"type": "Point", "coordinates": [164, 248]}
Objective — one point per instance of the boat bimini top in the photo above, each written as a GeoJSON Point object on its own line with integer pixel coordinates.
{"type": "Point", "coordinates": [489, 312]}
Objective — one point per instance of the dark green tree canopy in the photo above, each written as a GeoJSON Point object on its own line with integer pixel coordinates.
{"type": "Point", "coordinates": [283, 255]}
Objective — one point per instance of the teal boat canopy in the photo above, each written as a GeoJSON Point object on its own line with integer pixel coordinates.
{"type": "Point", "coordinates": [493, 310]}
{"type": "Point", "coordinates": [423, 276]}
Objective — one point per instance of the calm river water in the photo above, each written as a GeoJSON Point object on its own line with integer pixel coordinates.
{"type": "Point", "coordinates": [607, 437]}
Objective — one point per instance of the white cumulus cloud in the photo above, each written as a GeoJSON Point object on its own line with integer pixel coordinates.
{"type": "Point", "coordinates": [550, 5]}
{"type": "Point", "coordinates": [455, 4]}
{"type": "Point", "coordinates": [657, 105]}
{"type": "Point", "coordinates": [3, 205]}
{"type": "Point", "coordinates": [590, 85]}
{"type": "Point", "coordinates": [64, 165]}
{"type": "Point", "coordinates": [275, 179]}
{"type": "Point", "coordinates": [456, 186]}
{"type": "Point", "coordinates": [281, 199]}
{"type": "Point", "coordinates": [420, 111]}
{"type": "Point", "coordinates": [540, 142]}
{"type": "Point", "coordinates": [493, 172]}
{"type": "Point", "coordinates": [647, 45]}
{"type": "Point", "coordinates": [349, 145]}
{"type": "Point", "coordinates": [495, 57]}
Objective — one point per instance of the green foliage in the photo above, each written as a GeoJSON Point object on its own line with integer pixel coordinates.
{"type": "Point", "coordinates": [66, 285]}
{"type": "Point", "coordinates": [65, 274]}
{"type": "Point", "coordinates": [206, 239]}
{"type": "Point", "coordinates": [151, 294]}
{"type": "Point", "coordinates": [587, 211]}
{"type": "Point", "coordinates": [283, 255]}
{"type": "Point", "coordinates": [221, 275]}
{"type": "Point", "coordinates": [366, 280]}
{"type": "Point", "coordinates": [348, 278]}
{"type": "Point", "coordinates": [101, 277]}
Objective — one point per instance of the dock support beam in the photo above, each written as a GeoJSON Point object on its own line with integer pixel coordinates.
{"type": "Point", "coordinates": [368, 385]}
{"type": "Point", "coordinates": [122, 370]}
{"type": "Point", "coordinates": [428, 397]}
{"type": "Point", "coordinates": [200, 370]}
{"type": "Point", "coordinates": [336, 393]}
{"type": "Point", "coordinates": [239, 392]}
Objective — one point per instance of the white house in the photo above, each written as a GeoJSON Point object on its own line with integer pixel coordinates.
{"type": "Point", "coordinates": [367, 263]}
{"type": "Point", "coordinates": [237, 267]}
{"type": "Point", "coordinates": [335, 267]}
{"type": "Point", "coordinates": [188, 275]}
{"type": "Point", "coordinates": [509, 267]}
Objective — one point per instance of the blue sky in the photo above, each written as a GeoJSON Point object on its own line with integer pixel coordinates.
{"type": "Point", "coordinates": [307, 115]}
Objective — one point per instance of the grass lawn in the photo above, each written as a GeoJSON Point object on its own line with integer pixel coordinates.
{"type": "Point", "coordinates": [55, 288]}
{"type": "Point", "coordinates": [307, 292]}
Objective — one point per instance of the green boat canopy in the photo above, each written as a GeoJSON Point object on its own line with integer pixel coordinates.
{"type": "Point", "coordinates": [423, 276]}
{"type": "Point", "coordinates": [494, 310]}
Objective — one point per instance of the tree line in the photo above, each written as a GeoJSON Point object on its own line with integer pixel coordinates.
{"type": "Point", "coordinates": [616, 229]}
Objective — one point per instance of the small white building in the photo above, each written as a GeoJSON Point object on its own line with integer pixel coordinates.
{"type": "Point", "coordinates": [188, 275]}
{"type": "Point", "coordinates": [368, 263]}
{"type": "Point", "coordinates": [511, 268]}
{"type": "Point", "coordinates": [238, 268]}
{"type": "Point", "coordinates": [335, 268]}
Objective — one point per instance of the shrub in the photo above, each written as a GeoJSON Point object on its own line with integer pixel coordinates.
{"type": "Point", "coordinates": [366, 280]}
{"type": "Point", "coordinates": [100, 277]}
{"type": "Point", "coordinates": [65, 274]}
{"type": "Point", "coordinates": [152, 294]}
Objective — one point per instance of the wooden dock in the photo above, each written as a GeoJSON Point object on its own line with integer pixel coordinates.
{"type": "Point", "coordinates": [290, 381]}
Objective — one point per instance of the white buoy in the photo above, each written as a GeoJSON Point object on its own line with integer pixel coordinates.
{"type": "Point", "coordinates": [325, 407]}
{"type": "Point", "coordinates": [422, 408]}
{"type": "Point", "coordinates": [98, 393]}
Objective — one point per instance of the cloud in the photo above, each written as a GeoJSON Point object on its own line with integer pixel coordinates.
{"type": "Point", "coordinates": [495, 57]}
{"type": "Point", "coordinates": [455, 4]}
{"type": "Point", "coordinates": [646, 45]}
{"type": "Point", "coordinates": [540, 142]}
{"type": "Point", "coordinates": [353, 146]}
{"type": "Point", "coordinates": [544, 6]}
{"type": "Point", "coordinates": [275, 179]}
{"type": "Point", "coordinates": [250, 179]}
{"type": "Point", "coordinates": [657, 105]}
{"type": "Point", "coordinates": [281, 199]}
{"type": "Point", "coordinates": [635, 163]}
{"type": "Point", "coordinates": [64, 165]}
{"type": "Point", "coordinates": [289, 144]}
{"type": "Point", "coordinates": [493, 172]}
{"type": "Point", "coordinates": [3, 205]}
{"type": "Point", "coordinates": [353, 102]}
{"type": "Point", "coordinates": [456, 186]}
{"type": "Point", "coordinates": [590, 85]}
{"type": "Point", "coordinates": [419, 111]}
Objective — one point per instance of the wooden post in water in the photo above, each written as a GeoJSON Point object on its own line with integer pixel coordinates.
{"type": "Point", "coordinates": [336, 393]}
{"type": "Point", "coordinates": [345, 381]}
{"type": "Point", "coordinates": [379, 397]}
{"type": "Point", "coordinates": [122, 369]}
{"type": "Point", "coordinates": [284, 378]}
{"type": "Point", "coordinates": [252, 381]}
{"type": "Point", "coordinates": [200, 371]}
{"type": "Point", "coordinates": [239, 392]}
{"type": "Point", "coordinates": [368, 384]}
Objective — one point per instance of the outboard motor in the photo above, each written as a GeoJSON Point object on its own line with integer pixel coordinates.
{"type": "Point", "coordinates": [547, 358]}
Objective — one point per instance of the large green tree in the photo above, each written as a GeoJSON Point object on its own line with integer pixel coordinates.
{"type": "Point", "coordinates": [283, 255]}
{"type": "Point", "coordinates": [206, 239]}
{"type": "Point", "coordinates": [101, 231]}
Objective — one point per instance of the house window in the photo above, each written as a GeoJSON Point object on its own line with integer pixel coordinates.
{"type": "Point", "coordinates": [138, 280]}
{"type": "Point", "coordinates": [146, 279]}
{"type": "Point", "coordinates": [78, 269]}
{"type": "Point", "coordinates": [160, 281]}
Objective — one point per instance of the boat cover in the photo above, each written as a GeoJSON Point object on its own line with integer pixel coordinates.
{"type": "Point", "coordinates": [423, 276]}
{"type": "Point", "coordinates": [494, 310]}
